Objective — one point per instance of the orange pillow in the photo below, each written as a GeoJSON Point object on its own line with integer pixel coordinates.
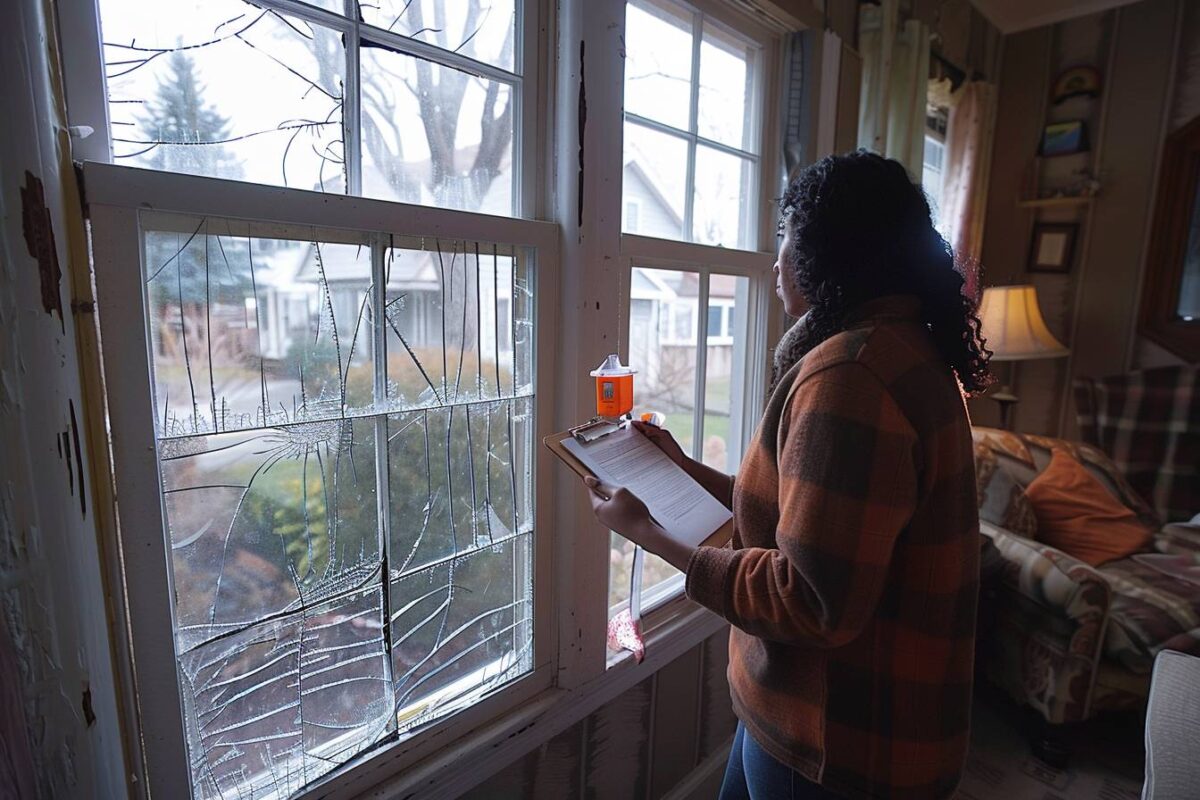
{"type": "Point", "coordinates": [1077, 515]}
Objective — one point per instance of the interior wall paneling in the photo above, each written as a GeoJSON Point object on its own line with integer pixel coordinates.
{"type": "Point", "coordinates": [1081, 41]}
{"type": "Point", "coordinates": [676, 721]}
{"type": "Point", "coordinates": [1138, 78]}
{"type": "Point", "coordinates": [1019, 107]}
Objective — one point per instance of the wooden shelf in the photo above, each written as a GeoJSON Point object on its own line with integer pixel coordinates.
{"type": "Point", "coordinates": [1049, 202]}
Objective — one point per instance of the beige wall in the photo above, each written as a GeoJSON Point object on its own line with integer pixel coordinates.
{"type": "Point", "coordinates": [1092, 309]}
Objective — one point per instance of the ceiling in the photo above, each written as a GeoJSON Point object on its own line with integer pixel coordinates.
{"type": "Point", "coordinates": [1017, 15]}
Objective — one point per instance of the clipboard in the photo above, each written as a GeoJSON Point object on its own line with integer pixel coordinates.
{"type": "Point", "coordinates": [719, 538]}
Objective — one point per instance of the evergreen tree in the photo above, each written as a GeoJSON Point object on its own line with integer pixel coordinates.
{"type": "Point", "coordinates": [178, 114]}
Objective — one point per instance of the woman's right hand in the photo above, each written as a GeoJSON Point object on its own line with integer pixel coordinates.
{"type": "Point", "coordinates": [663, 439]}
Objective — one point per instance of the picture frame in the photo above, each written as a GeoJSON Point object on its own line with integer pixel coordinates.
{"type": "Point", "coordinates": [1064, 138]}
{"type": "Point", "coordinates": [1052, 248]}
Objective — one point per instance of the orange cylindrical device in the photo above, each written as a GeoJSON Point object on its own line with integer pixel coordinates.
{"type": "Point", "coordinates": [614, 387]}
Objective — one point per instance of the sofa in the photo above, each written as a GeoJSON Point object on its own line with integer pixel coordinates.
{"type": "Point", "coordinates": [1066, 639]}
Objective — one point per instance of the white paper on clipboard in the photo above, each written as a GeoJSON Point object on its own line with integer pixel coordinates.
{"type": "Point", "coordinates": [684, 508]}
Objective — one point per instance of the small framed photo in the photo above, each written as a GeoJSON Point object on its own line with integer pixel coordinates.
{"type": "Point", "coordinates": [1053, 247]}
{"type": "Point", "coordinates": [1064, 138]}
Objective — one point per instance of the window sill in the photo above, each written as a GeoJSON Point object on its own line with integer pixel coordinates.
{"type": "Point", "coordinates": [672, 629]}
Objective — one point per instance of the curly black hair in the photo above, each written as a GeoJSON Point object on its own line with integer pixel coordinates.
{"type": "Point", "coordinates": [860, 229]}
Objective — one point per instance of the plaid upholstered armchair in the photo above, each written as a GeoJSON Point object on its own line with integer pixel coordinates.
{"type": "Point", "coordinates": [1064, 638]}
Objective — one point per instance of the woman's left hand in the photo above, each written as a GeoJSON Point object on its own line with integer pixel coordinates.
{"type": "Point", "coordinates": [620, 510]}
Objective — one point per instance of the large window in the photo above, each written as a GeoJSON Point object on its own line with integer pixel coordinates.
{"type": "Point", "coordinates": [333, 337]}
{"type": "Point", "coordinates": [411, 101]}
{"type": "Point", "coordinates": [338, 399]}
{"type": "Point", "coordinates": [693, 132]}
{"type": "Point", "coordinates": [691, 126]}
{"type": "Point", "coordinates": [343, 427]}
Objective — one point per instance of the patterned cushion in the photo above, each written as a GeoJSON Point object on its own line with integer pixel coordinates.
{"type": "Point", "coordinates": [1149, 422]}
{"type": "Point", "coordinates": [1150, 611]}
{"type": "Point", "coordinates": [1002, 500]}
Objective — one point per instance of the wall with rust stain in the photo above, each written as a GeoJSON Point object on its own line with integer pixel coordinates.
{"type": "Point", "coordinates": [54, 647]}
{"type": "Point", "coordinates": [640, 745]}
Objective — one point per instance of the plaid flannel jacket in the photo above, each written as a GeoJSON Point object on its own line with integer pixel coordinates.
{"type": "Point", "coordinates": [853, 574]}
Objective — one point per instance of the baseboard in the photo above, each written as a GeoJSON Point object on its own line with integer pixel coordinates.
{"type": "Point", "coordinates": [693, 785]}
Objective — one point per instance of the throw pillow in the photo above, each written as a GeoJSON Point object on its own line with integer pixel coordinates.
{"type": "Point", "coordinates": [1002, 500]}
{"type": "Point", "coordinates": [1077, 515]}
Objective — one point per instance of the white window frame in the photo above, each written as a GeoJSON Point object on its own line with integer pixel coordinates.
{"type": "Point", "coordinates": [88, 109]}
{"type": "Point", "coordinates": [710, 13]}
{"type": "Point", "coordinates": [584, 281]}
{"type": "Point", "coordinates": [763, 323]}
{"type": "Point", "coordinates": [116, 197]}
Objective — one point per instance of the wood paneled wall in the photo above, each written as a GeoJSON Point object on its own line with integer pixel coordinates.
{"type": "Point", "coordinates": [641, 745]}
{"type": "Point", "coordinates": [1093, 308]}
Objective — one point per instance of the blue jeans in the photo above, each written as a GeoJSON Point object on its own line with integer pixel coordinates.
{"type": "Point", "coordinates": [752, 774]}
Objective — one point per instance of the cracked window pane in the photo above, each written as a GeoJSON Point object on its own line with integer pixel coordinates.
{"type": "Point", "coordinates": [453, 332]}
{"type": "Point", "coordinates": [348, 495]}
{"type": "Point", "coordinates": [274, 706]}
{"type": "Point", "coordinates": [226, 89]}
{"type": "Point", "coordinates": [262, 522]}
{"type": "Point", "coordinates": [481, 29]}
{"type": "Point", "coordinates": [248, 331]}
{"type": "Point", "coordinates": [461, 627]}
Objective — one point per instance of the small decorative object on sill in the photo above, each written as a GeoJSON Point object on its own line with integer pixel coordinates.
{"type": "Point", "coordinates": [1053, 247]}
{"type": "Point", "coordinates": [1076, 82]}
{"type": "Point", "coordinates": [625, 628]}
{"type": "Point", "coordinates": [1014, 330]}
{"type": "Point", "coordinates": [1064, 138]}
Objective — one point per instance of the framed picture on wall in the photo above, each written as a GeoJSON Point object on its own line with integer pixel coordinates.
{"type": "Point", "coordinates": [1053, 247]}
{"type": "Point", "coordinates": [1064, 138]}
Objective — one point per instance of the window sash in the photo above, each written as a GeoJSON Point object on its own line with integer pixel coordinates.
{"type": "Point", "coordinates": [755, 78]}
{"type": "Point", "coordinates": [704, 260]}
{"type": "Point", "coordinates": [117, 196]}
{"type": "Point", "coordinates": [87, 87]}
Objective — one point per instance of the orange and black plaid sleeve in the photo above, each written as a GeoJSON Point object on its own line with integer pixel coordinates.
{"type": "Point", "coordinates": [846, 487]}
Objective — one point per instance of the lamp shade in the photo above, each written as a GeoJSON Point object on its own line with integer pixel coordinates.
{"type": "Point", "coordinates": [1013, 325]}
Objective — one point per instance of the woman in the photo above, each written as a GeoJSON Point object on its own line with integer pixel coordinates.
{"type": "Point", "coordinates": [852, 577]}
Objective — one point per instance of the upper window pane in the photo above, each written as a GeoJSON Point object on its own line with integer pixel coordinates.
{"type": "Point", "coordinates": [435, 136]}
{"type": "Point", "coordinates": [225, 89]}
{"type": "Point", "coordinates": [484, 30]}
{"type": "Point", "coordinates": [654, 181]}
{"type": "Point", "coordinates": [723, 198]}
{"type": "Point", "coordinates": [691, 126]}
{"type": "Point", "coordinates": [658, 62]}
{"type": "Point", "coordinates": [726, 102]}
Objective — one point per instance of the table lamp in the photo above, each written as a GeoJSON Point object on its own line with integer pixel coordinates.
{"type": "Point", "coordinates": [1015, 331]}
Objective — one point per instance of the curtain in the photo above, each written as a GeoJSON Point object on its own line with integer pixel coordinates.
{"type": "Point", "coordinates": [965, 170]}
{"type": "Point", "coordinates": [891, 111]}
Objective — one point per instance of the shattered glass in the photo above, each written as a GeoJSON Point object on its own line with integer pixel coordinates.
{"type": "Point", "coordinates": [226, 89]}
{"type": "Point", "coordinates": [230, 89]}
{"type": "Point", "coordinates": [480, 29]}
{"type": "Point", "coordinates": [348, 494]}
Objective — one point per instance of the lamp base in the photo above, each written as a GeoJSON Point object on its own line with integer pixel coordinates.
{"type": "Point", "coordinates": [1005, 398]}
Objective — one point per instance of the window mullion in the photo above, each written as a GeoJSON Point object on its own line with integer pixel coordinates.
{"type": "Point", "coordinates": [352, 110]}
{"type": "Point", "coordinates": [689, 200]}
{"type": "Point", "coordinates": [382, 463]}
{"type": "Point", "coordinates": [701, 368]}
